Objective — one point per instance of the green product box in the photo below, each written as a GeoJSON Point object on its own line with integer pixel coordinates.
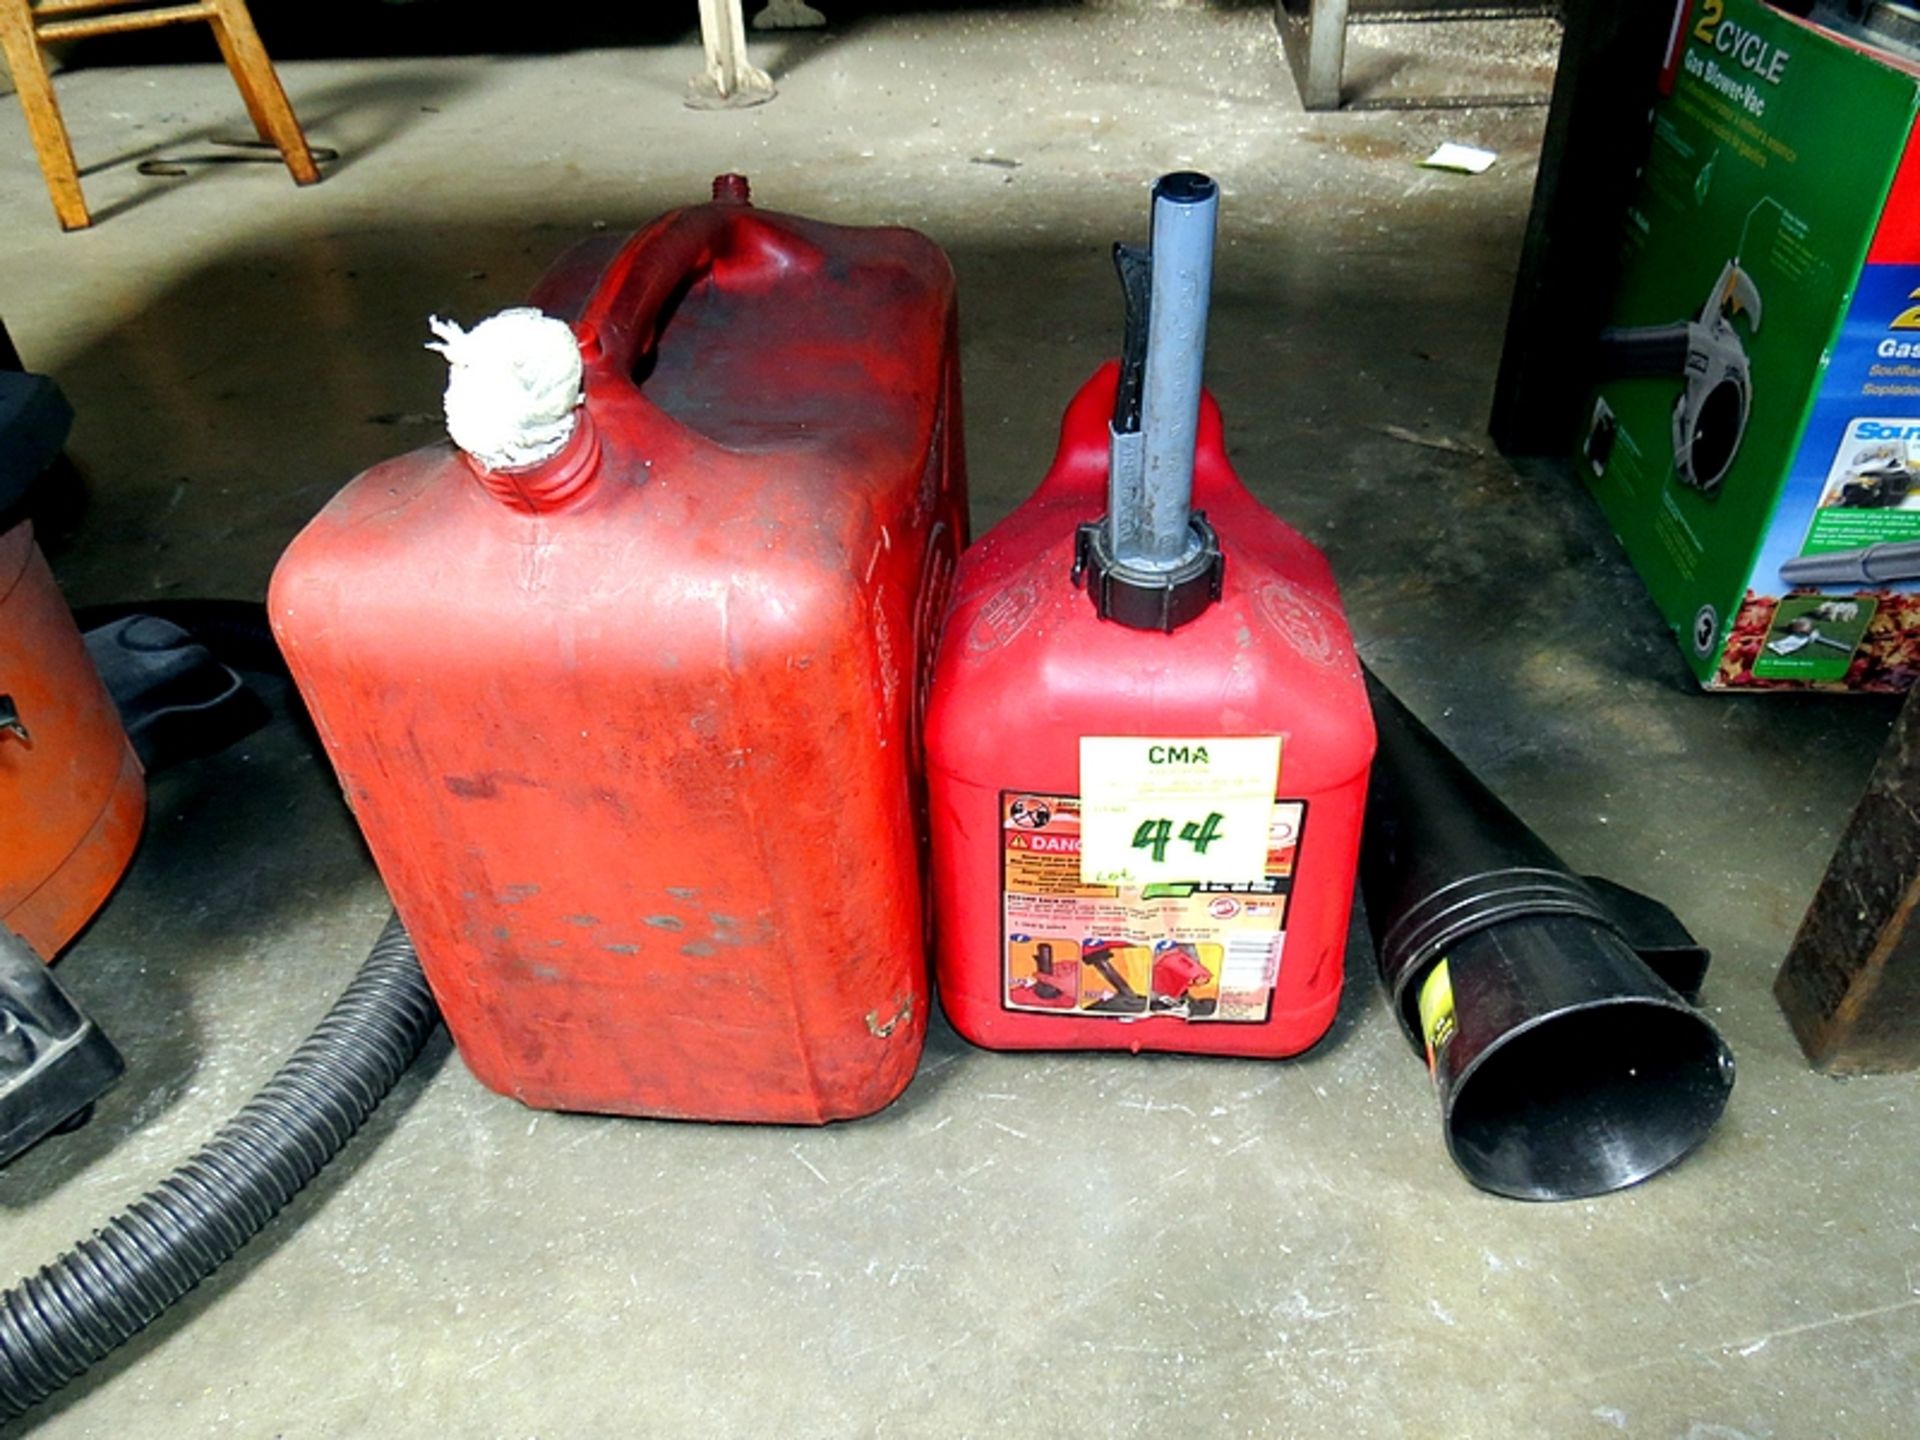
{"type": "Point", "coordinates": [1754, 438]}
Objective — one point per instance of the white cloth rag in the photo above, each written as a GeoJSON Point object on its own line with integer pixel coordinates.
{"type": "Point", "coordinates": [513, 383]}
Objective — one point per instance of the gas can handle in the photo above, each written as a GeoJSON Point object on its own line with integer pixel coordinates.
{"type": "Point", "coordinates": [622, 317]}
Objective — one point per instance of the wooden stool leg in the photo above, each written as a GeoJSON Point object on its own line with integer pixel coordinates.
{"type": "Point", "coordinates": [49, 131]}
{"type": "Point", "coordinates": [231, 56]}
{"type": "Point", "coordinates": [260, 87]}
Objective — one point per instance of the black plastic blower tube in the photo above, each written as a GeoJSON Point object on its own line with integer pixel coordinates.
{"type": "Point", "coordinates": [107, 1289]}
{"type": "Point", "coordinates": [1566, 1064]}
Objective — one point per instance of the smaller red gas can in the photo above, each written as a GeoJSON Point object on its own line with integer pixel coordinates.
{"type": "Point", "coordinates": [1146, 769]}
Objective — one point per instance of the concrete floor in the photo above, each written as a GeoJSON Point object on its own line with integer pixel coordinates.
{"type": "Point", "coordinates": [1023, 1245]}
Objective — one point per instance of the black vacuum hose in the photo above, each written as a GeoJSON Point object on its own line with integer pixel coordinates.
{"type": "Point", "coordinates": [107, 1289]}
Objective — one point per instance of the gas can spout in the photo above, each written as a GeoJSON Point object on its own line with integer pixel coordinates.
{"type": "Point", "coordinates": [1186, 208]}
{"type": "Point", "coordinates": [1152, 563]}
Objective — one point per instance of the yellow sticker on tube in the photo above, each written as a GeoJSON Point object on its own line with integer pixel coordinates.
{"type": "Point", "coordinates": [1436, 1010]}
{"type": "Point", "coordinates": [1170, 809]}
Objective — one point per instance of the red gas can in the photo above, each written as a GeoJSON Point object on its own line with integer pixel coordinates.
{"type": "Point", "coordinates": [1146, 780]}
{"type": "Point", "coordinates": [631, 730]}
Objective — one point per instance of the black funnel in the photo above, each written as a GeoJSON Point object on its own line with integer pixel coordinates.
{"type": "Point", "coordinates": [1568, 1064]}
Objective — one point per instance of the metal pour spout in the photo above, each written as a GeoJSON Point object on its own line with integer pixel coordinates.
{"type": "Point", "coordinates": [1151, 562]}
{"type": "Point", "coordinates": [1150, 470]}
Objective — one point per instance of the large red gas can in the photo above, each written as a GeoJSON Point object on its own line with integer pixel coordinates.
{"type": "Point", "coordinates": [1243, 723]}
{"type": "Point", "coordinates": [632, 731]}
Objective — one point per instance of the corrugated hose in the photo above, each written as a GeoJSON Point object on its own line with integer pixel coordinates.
{"type": "Point", "coordinates": [56, 1324]}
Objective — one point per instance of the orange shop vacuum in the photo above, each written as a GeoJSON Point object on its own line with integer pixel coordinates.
{"type": "Point", "coordinates": [72, 797]}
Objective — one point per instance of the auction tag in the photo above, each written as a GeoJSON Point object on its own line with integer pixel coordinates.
{"type": "Point", "coordinates": [1158, 809]}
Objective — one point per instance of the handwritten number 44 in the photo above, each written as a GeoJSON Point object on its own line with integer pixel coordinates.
{"type": "Point", "coordinates": [1157, 835]}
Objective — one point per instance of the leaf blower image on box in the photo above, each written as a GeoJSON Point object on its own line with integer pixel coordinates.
{"type": "Point", "coordinates": [1880, 478]}
{"type": "Point", "coordinates": [1708, 354]}
{"type": "Point", "coordinates": [1800, 632]}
